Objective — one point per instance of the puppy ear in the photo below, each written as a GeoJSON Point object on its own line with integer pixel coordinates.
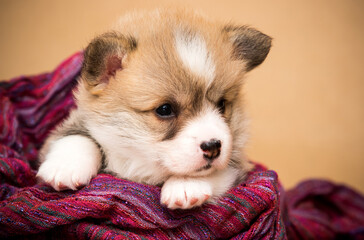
{"type": "Point", "coordinates": [249, 44]}
{"type": "Point", "coordinates": [104, 56]}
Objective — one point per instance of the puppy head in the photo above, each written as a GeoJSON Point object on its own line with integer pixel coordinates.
{"type": "Point", "coordinates": [165, 88]}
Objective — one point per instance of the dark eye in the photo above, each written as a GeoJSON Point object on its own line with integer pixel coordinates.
{"type": "Point", "coordinates": [165, 111]}
{"type": "Point", "coordinates": [221, 105]}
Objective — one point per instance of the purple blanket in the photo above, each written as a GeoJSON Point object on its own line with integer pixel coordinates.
{"type": "Point", "coordinates": [112, 208]}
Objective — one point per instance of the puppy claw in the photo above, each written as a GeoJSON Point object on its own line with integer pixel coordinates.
{"type": "Point", "coordinates": [61, 186]}
{"type": "Point", "coordinates": [194, 201]}
{"type": "Point", "coordinates": [178, 203]}
{"type": "Point", "coordinates": [165, 202]}
{"type": "Point", "coordinates": [207, 197]}
{"type": "Point", "coordinates": [77, 184]}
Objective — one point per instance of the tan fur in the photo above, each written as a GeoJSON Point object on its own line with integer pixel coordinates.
{"type": "Point", "coordinates": [131, 88]}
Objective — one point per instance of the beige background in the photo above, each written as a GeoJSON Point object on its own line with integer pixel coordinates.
{"type": "Point", "coordinates": [305, 102]}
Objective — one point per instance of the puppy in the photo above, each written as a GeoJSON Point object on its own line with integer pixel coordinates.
{"type": "Point", "coordinates": [159, 101]}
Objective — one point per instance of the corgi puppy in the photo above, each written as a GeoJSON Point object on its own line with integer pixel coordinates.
{"type": "Point", "coordinates": [159, 101]}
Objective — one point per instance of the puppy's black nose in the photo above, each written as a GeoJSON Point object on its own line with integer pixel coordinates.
{"type": "Point", "coordinates": [211, 149]}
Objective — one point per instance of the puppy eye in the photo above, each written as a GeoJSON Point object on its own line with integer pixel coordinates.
{"type": "Point", "coordinates": [221, 105]}
{"type": "Point", "coordinates": [165, 111]}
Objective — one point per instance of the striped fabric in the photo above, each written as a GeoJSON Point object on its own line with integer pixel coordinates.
{"type": "Point", "coordinates": [112, 208]}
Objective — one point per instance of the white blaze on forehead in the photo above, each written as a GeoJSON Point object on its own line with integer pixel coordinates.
{"type": "Point", "coordinates": [195, 56]}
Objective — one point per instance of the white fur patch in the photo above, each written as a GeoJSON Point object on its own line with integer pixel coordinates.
{"type": "Point", "coordinates": [129, 151]}
{"type": "Point", "coordinates": [184, 193]}
{"type": "Point", "coordinates": [70, 163]}
{"type": "Point", "coordinates": [195, 56]}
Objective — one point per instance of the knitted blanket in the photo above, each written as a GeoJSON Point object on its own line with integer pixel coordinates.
{"type": "Point", "coordinates": [112, 208]}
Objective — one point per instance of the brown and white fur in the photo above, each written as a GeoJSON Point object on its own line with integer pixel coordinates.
{"type": "Point", "coordinates": [159, 101]}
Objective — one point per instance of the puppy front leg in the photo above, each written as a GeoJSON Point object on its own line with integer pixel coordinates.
{"type": "Point", "coordinates": [70, 162]}
{"type": "Point", "coordinates": [189, 192]}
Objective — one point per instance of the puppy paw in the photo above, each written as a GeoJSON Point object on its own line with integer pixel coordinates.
{"type": "Point", "coordinates": [185, 193]}
{"type": "Point", "coordinates": [70, 163]}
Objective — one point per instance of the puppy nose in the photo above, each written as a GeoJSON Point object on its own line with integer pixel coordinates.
{"type": "Point", "coordinates": [211, 149]}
